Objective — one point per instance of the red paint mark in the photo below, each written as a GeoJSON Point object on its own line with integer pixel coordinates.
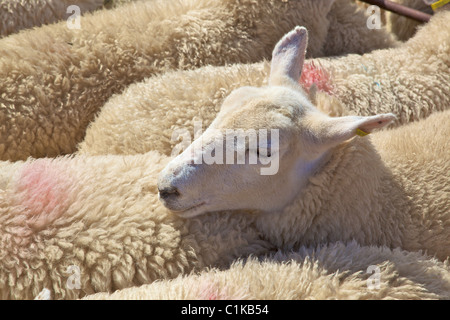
{"type": "Point", "coordinates": [207, 290]}
{"type": "Point", "coordinates": [212, 296]}
{"type": "Point", "coordinates": [211, 290]}
{"type": "Point", "coordinates": [43, 189]}
{"type": "Point", "coordinates": [312, 74]}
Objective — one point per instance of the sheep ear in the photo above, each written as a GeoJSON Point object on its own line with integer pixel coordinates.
{"type": "Point", "coordinates": [288, 57]}
{"type": "Point", "coordinates": [334, 131]}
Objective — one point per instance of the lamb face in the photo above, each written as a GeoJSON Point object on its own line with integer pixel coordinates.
{"type": "Point", "coordinates": [262, 147]}
{"type": "Point", "coordinates": [247, 159]}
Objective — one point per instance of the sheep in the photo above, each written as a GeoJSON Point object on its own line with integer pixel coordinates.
{"type": "Point", "coordinates": [334, 271]}
{"type": "Point", "coordinates": [404, 28]}
{"type": "Point", "coordinates": [410, 81]}
{"type": "Point", "coordinates": [396, 18]}
{"type": "Point", "coordinates": [99, 218]}
{"type": "Point", "coordinates": [357, 34]}
{"type": "Point", "coordinates": [314, 180]}
{"type": "Point", "coordinates": [79, 225]}
{"type": "Point", "coordinates": [16, 15]}
{"type": "Point", "coordinates": [55, 79]}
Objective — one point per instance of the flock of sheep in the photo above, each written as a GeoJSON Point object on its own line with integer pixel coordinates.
{"type": "Point", "coordinates": [87, 123]}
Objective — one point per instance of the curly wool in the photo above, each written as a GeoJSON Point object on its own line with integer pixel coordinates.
{"type": "Point", "coordinates": [101, 216]}
{"type": "Point", "coordinates": [16, 15]}
{"type": "Point", "coordinates": [403, 27]}
{"type": "Point", "coordinates": [410, 81]}
{"type": "Point", "coordinates": [388, 189]}
{"type": "Point", "coordinates": [334, 271]}
{"type": "Point", "coordinates": [53, 89]}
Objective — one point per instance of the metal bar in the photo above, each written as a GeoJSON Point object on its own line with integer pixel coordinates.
{"type": "Point", "coordinates": [400, 9]}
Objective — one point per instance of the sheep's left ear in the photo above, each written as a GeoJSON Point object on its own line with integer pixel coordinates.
{"type": "Point", "coordinates": [334, 131]}
{"type": "Point", "coordinates": [288, 58]}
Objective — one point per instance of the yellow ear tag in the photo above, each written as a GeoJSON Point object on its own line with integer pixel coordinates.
{"type": "Point", "coordinates": [438, 4]}
{"type": "Point", "coordinates": [361, 133]}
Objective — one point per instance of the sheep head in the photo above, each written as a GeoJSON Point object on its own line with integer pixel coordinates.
{"type": "Point", "coordinates": [262, 147]}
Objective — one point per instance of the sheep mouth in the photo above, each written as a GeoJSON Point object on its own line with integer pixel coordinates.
{"type": "Point", "coordinates": [192, 211]}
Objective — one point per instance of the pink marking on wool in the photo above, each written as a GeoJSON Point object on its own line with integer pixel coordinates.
{"type": "Point", "coordinates": [207, 290]}
{"type": "Point", "coordinates": [43, 187]}
{"type": "Point", "coordinates": [210, 290]}
{"type": "Point", "coordinates": [312, 74]}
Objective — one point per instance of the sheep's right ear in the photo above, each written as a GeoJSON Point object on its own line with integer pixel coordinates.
{"type": "Point", "coordinates": [331, 131]}
{"type": "Point", "coordinates": [288, 58]}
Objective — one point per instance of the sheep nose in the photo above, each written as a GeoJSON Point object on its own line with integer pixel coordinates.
{"type": "Point", "coordinates": [168, 192]}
